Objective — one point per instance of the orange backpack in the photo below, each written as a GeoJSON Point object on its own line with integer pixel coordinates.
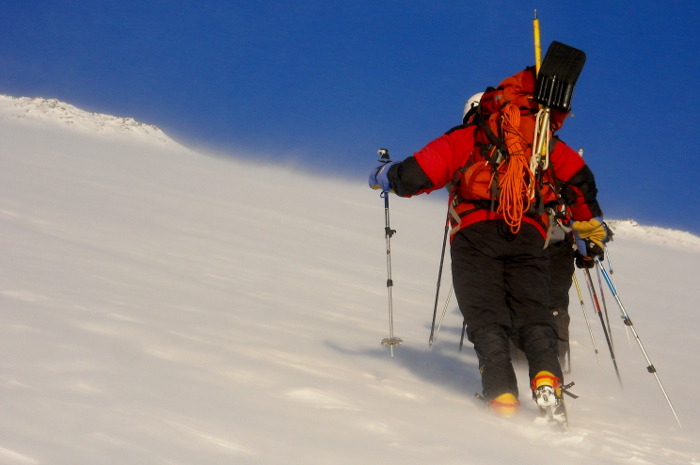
{"type": "Point", "coordinates": [502, 171]}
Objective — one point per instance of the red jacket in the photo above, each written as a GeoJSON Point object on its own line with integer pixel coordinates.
{"type": "Point", "coordinates": [435, 166]}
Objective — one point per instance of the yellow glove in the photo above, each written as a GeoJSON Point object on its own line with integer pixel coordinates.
{"type": "Point", "coordinates": [593, 230]}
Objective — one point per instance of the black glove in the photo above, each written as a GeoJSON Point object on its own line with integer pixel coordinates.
{"type": "Point", "coordinates": [583, 261]}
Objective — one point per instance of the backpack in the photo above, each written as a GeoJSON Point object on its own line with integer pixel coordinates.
{"type": "Point", "coordinates": [502, 172]}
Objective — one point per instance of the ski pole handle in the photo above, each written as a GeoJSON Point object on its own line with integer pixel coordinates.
{"type": "Point", "coordinates": [384, 155]}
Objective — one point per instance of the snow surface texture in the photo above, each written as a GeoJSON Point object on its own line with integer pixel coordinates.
{"type": "Point", "coordinates": [161, 306]}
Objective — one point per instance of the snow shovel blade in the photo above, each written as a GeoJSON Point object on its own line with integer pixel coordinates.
{"type": "Point", "coordinates": [557, 76]}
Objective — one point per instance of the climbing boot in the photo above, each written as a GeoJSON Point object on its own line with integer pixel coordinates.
{"type": "Point", "coordinates": [547, 392]}
{"type": "Point", "coordinates": [505, 406]}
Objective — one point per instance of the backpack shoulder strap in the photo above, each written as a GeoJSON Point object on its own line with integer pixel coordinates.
{"type": "Point", "coordinates": [491, 155]}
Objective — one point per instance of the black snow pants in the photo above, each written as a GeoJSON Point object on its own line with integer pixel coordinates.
{"type": "Point", "coordinates": [501, 283]}
{"type": "Point", "coordinates": [561, 270]}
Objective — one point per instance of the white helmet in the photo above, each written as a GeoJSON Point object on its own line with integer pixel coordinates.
{"type": "Point", "coordinates": [471, 104]}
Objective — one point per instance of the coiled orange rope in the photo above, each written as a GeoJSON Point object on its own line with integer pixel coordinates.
{"type": "Point", "coordinates": [517, 183]}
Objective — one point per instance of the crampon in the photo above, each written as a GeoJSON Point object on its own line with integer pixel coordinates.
{"type": "Point", "coordinates": [547, 392]}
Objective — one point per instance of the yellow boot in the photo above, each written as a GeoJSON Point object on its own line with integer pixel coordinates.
{"type": "Point", "coordinates": [546, 378]}
{"type": "Point", "coordinates": [505, 406]}
{"type": "Point", "coordinates": [546, 390]}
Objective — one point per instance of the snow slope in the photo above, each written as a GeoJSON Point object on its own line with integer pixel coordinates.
{"type": "Point", "coordinates": [161, 306]}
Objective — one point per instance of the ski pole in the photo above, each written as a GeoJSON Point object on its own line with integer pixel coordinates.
{"type": "Point", "coordinates": [594, 298]}
{"type": "Point", "coordinates": [609, 259]}
{"type": "Point", "coordinates": [611, 271]}
{"type": "Point", "coordinates": [444, 311]}
{"type": "Point", "coordinates": [390, 341]}
{"type": "Point", "coordinates": [628, 322]}
{"type": "Point", "coordinates": [585, 316]}
{"type": "Point", "coordinates": [605, 305]}
{"type": "Point", "coordinates": [433, 336]}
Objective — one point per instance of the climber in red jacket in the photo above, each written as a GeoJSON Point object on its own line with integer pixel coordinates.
{"type": "Point", "coordinates": [500, 270]}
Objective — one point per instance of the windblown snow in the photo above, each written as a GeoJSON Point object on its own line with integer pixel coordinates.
{"type": "Point", "coordinates": [163, 306]}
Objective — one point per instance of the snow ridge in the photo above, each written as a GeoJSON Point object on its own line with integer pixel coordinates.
{"type": "Point", "coordinates": [65, 114]}
{"type": "Point", "coordinates": [630, 228]}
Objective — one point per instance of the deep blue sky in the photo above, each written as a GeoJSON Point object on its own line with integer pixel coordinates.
{"type": "Point", "coordinates": [324, 84]}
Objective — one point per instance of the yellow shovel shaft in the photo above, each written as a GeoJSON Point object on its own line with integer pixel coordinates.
{"type": "Point", "coordinates": [538, 45]}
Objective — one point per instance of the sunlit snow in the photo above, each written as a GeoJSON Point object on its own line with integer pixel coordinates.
{"type": "Point", "coordinates": [162, 306]}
